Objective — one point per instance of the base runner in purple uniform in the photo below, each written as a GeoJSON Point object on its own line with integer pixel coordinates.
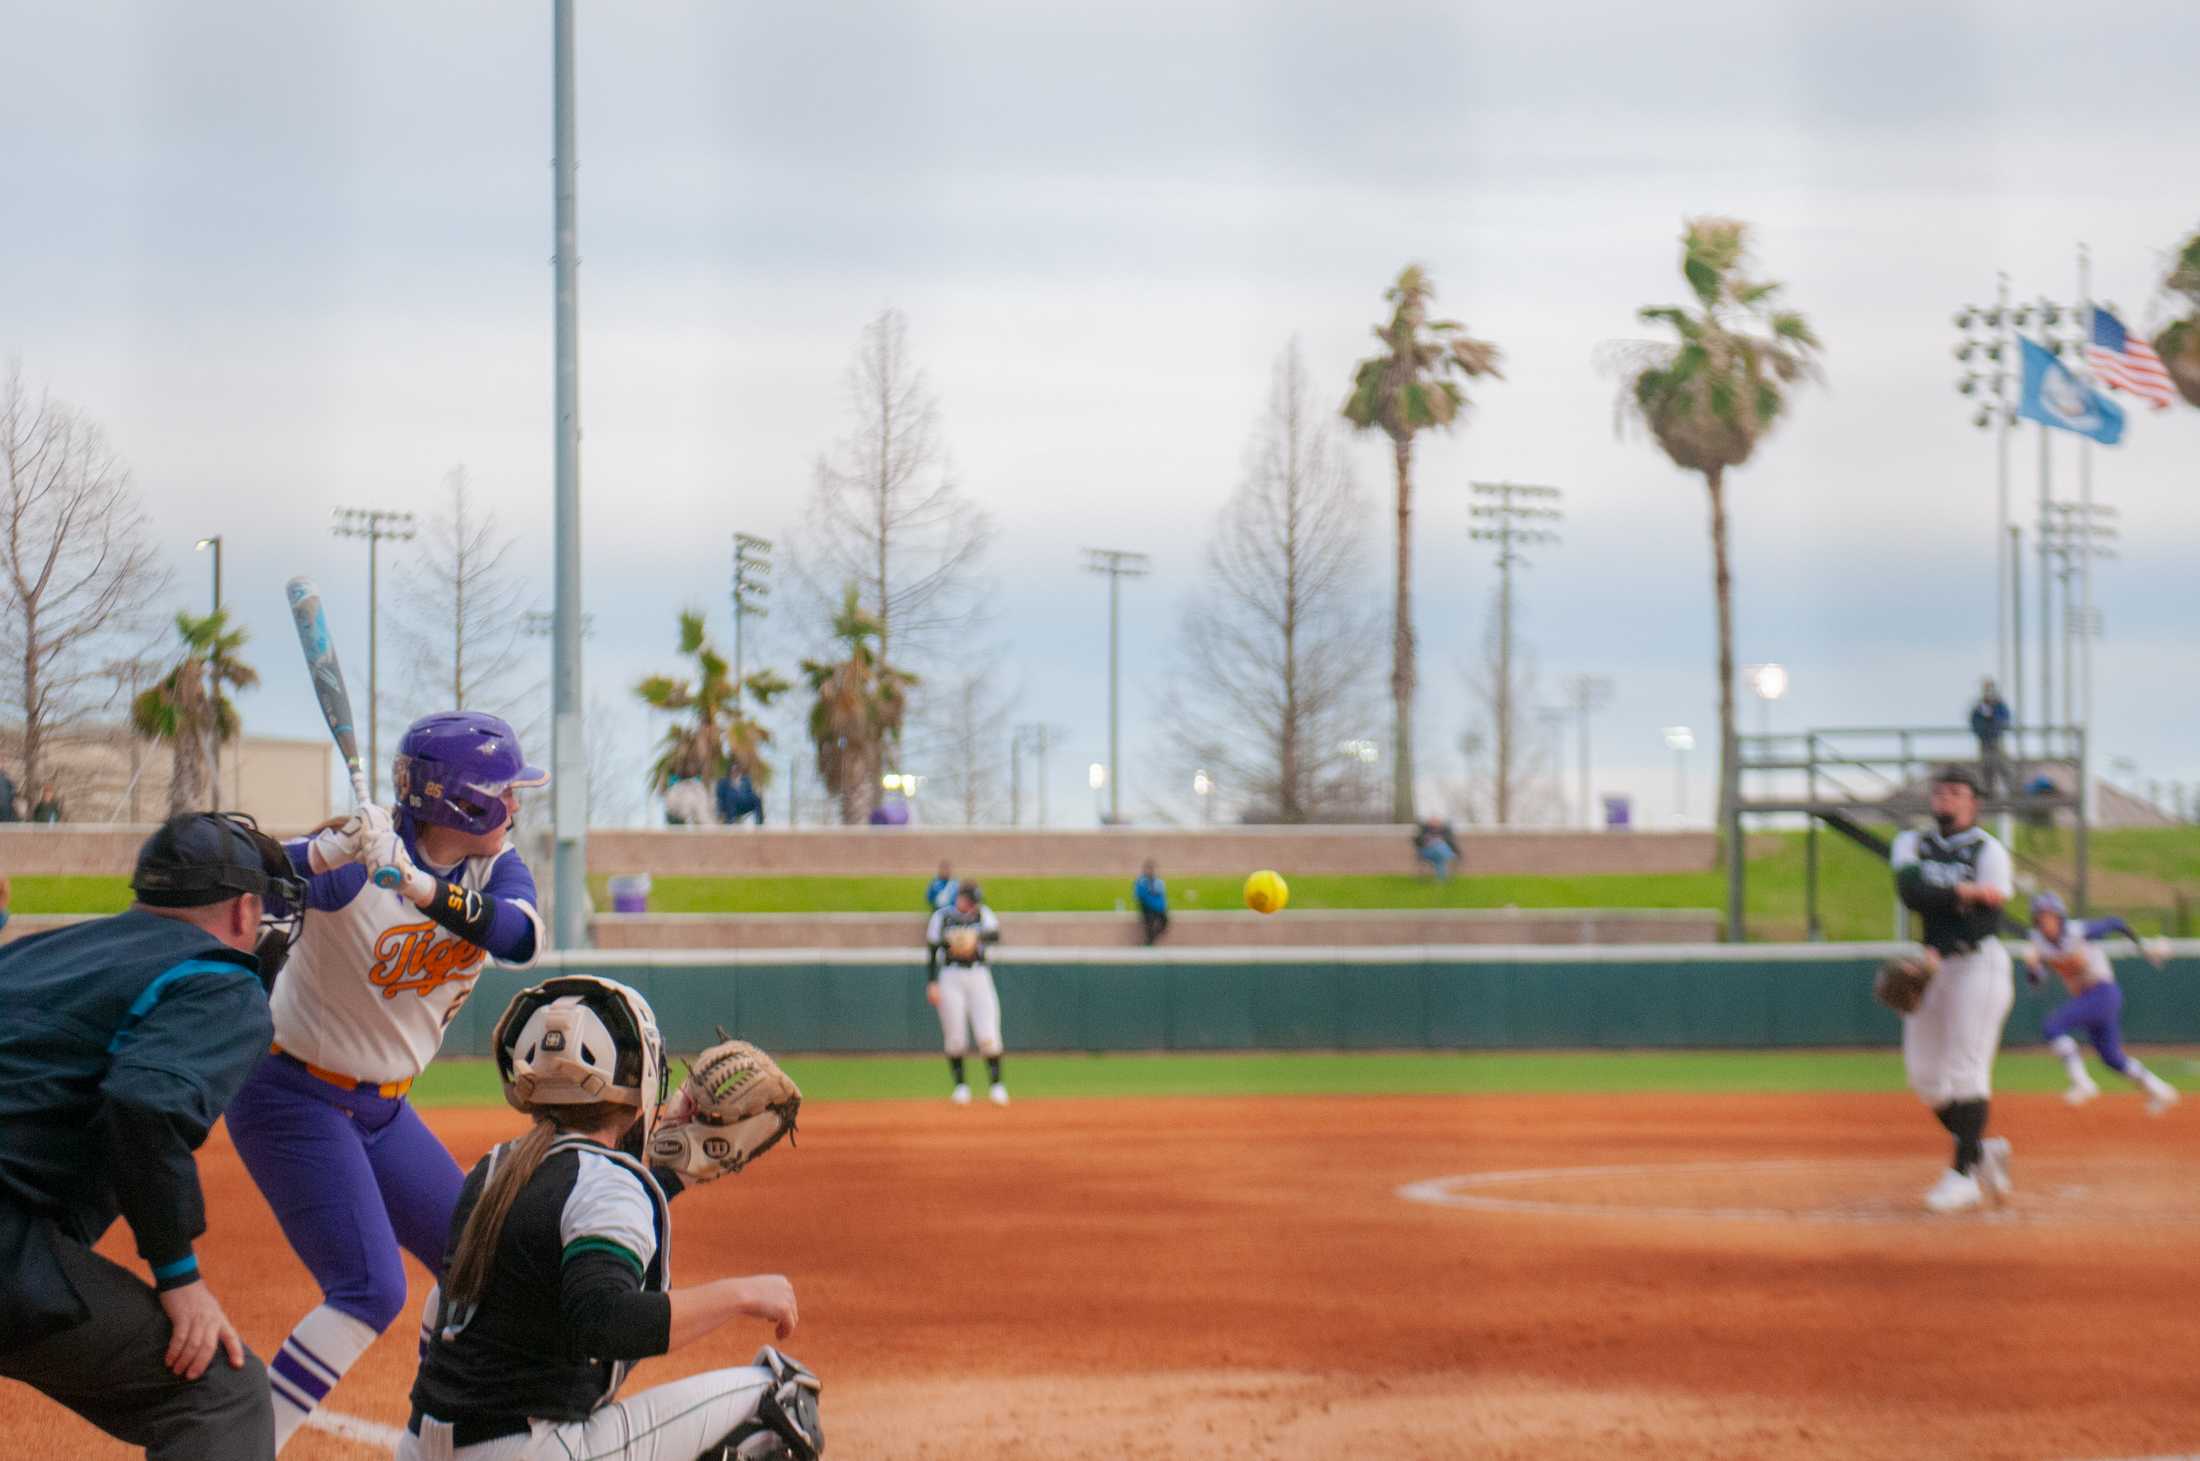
{"type": "Point", "coordinates": [2073, 949]}
{"type": "Point", "coordinates": [353, 1174]}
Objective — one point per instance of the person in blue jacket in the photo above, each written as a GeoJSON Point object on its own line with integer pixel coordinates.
{"type": "Point", "coordinates": [1153, 902]}
{"type": "Point", "coordinates": [121, 1040]}
{"type": "Point", "coordinates": [940, 892]}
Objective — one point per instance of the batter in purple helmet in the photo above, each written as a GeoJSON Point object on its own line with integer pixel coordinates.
{"type": "Point", "coordinates": [353, 1174]}
{"type": "Point", "coordinates": [2073, 949]}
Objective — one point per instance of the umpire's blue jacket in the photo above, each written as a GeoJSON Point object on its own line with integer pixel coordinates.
{"type": "Point", "coordinates": [121, 1040]}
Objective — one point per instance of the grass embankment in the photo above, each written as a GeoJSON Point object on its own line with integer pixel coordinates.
{"type": "Point", "coordinates": [1616, 1072]}
{"type": "Point", "coordinates": [2138, 872]}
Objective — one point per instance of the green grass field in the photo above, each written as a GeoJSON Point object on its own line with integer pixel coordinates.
{"type": "Point", "coordinates": [1853, 888]}
{"type": "Point", "coordinates": [1618, 1072]}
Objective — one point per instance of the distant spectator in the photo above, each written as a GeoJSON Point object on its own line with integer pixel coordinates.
{"type": "Point", "coordinates": [49, 805]}
{"type": "Point", "coordinates": [892, 811]}
{"type": "Point", "coordinates": [688, 803]}
{"type": "Point", "coordinates": [7, 797]}
{"type": "Point", "coordinates": [4, 895]}
{"type": "Point", "coordinates": [1990, 722]}
{"type": "Point", "coordinates": [1435, 845]}
{"type": "Point", "coordinates": [940, 892]}
{"type": "Point", "coordinates": [1153, 903]}
{"type": "Point", "coordinates": [737, 798]}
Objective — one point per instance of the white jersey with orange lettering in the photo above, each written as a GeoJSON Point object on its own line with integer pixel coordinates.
{"type": "Point", "coordinates": [373, 982]}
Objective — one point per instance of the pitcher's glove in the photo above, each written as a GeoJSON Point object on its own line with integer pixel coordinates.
{"type": "Point", "coordinates": [1900, 984]}
{"type": "Point", "coordinates": [733, 1107]}
{"type": "Point", "coordinates": [963, 944]}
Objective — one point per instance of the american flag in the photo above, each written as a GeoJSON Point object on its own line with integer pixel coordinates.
{"type": "Point", "coordinates": [2124, 362]}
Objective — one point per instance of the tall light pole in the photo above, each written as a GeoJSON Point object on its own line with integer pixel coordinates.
{"type": "Point", "coordinates": [1585, 695]}
{"type": "Point", "coordinates": [569, 751]}
{"type": "Point", "coordinates": [752, 572]}
{"type": "Point", "coordinates": [1988, 350]}
{"type": "Point", "coordinates": [1680, 740]}
{"type": "Point", "coordinates": [1506, 514]}
{"type": "Point", "coordinates": [1118, 564]}
{"type": "Point", "coordinates": [376, 525]}
{"type": "Point", "coordinates": [1768, 682]}
{"type": "Point", "coordinates": [1203, 787]}
{"type": "Point", "coordinates": [213, 681]}
{"type": "Point", "coordinates": [1096, 777]}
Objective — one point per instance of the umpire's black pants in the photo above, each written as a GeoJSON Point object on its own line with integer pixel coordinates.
{"type": "Point", "coordinates": [112, 1370]}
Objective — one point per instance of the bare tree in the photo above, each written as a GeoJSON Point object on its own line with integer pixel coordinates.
{"type": "Point", "coordinates": [1273, 696]}
{"type": "Point", "coordinates": [75, 568]}
{"type": "Point", "coordinates": [459, 616]}
{"type": "Point", "coordinates": [964, 730]}
{"type": "Point", "coordinates": [1511, 747]}
{"type": "Point", "coordinates": [885, 513]}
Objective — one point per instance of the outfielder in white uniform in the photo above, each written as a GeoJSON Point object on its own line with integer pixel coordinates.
{"type": "Point", "coordinates": [960, 986]}
{"type": "Point", "coordinates": [1957, 878]}
{"type": "Point", "coordinates": [559, 1272]}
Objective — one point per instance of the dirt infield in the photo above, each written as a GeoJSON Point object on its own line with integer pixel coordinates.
{"type": "Point", "coordinates": [1737, 1277]}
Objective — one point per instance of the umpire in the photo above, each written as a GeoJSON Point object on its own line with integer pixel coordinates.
{"type": "Point", "coordinates": [121, 1039]}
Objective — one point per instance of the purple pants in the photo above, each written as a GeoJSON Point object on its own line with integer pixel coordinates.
{"type": "Point", "coordinates": [352, 1177]}
{"type": "Point", "coordinates": [2099, 1013]}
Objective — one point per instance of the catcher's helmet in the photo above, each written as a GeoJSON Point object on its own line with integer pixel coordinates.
{"type": "Point", "coordinates": [453, 768]}
{"type": "Point", "coordinates": [579, 1040]}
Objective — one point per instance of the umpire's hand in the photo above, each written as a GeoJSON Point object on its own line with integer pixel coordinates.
{"type": "Point", "coordinates": [199, 1325]}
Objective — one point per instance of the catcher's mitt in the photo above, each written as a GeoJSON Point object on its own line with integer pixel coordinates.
{"type": "Point", "coordinates": [733, 1107]}
{"type": "Point", "coordinates": [962, 943]}
{"type": "Point", "coordinates": [1900, 983]}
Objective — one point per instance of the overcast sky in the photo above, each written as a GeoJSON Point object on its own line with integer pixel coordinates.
{"type": "Point", "coordinates": [296, 257]}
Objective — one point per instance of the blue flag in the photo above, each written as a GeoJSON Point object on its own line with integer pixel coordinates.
{"type": "Point", "coordinates": [2055, 397]}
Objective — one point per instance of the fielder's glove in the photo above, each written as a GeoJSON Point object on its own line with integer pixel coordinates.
{"type": "Point", "coordinates": [1900, 983]}
{"type": "Point", "coordinates": [733, 1107]}
{"type": "Point", "coordinates": [2156, 951]}
{"type": "Point", "coordinates": [962, 943]}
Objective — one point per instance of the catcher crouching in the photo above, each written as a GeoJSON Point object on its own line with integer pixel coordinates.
{"type": "Point", "coordinates": [559, 1273]}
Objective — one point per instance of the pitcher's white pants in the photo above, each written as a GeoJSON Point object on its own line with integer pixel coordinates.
{"type": "Point", "coordinates": [675, 1422]}
{"type": "Point", "coordinates": [1948, 1043]}
{"type": "Point", "coordinates": [970, 1009]}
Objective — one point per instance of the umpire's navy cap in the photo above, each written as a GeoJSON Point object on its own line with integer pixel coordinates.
{"type": "Point", "coordinates": [207, 857]}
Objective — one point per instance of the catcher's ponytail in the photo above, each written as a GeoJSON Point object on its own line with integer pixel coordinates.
{"type": "Point", "coordinates": [468, 1278]}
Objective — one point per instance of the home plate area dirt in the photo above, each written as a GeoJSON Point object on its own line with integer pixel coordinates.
{"type": "Point", "coordinates": [1652, 1276]}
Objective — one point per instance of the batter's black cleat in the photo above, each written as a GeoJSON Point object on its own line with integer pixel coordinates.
{"type": "Point", "coordinates": [786, 1425]}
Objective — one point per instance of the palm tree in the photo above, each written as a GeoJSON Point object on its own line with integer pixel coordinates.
{"type": "Point", "coordinates": [179, 708]}
{"type": "Point", "coordinates": [1410, 388]}
{"type": "Point", "coordinates": [2179, 342]}
{"type": "Point", "coordinates": [1711, 396]}
{"type": "Point", "coordinates": [861, 701]}
{"type": "Point", "coordinates": [721, 734]}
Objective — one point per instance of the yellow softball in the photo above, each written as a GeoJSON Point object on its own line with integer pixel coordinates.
{"type": "Point", "coordinates": [1266, 892]}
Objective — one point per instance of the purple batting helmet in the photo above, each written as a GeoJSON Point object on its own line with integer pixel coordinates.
{"type": "Point", "coordinates": [2048, 903]}
{"type": "Point", "coordinates": [453, 768]}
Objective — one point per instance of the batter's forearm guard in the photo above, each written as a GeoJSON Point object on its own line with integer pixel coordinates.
{"type": "Point", "coordinates": [463, 911]}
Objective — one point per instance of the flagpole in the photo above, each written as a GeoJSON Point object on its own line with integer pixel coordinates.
{"type": "Point", "coordinates": [2085, 545]}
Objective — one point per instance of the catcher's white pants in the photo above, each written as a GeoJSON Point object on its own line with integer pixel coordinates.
{"type": "Point", "coordinates": [675, 1422]}
{"type": "Point", "coordinates": [1948, 1043]}
{"type": "Point", "coordinates": [970, 1009]}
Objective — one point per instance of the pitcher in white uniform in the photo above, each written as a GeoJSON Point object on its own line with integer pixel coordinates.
{"type": "Point", "coordinates": [352, 1173]}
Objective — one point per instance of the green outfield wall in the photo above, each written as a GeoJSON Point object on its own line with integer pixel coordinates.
{"type": "Point", "coordinates": [1649, 996]}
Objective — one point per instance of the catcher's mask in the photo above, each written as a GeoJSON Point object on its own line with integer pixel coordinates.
{"type": "Point", "coordinates": [578, 1040]}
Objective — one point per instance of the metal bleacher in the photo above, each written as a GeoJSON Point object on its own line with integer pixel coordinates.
{"type": "Point", "coordinates": [1849, 779]}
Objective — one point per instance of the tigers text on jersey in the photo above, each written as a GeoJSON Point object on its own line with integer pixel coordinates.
{"type": "Point", "coordinates": [373, 981]}
{"type": "Point", "coordinates": [1969, 856]}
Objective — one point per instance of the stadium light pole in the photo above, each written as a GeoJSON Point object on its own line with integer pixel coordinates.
{"type": "Point", "coordinates": [1988, 337]}
{"type": "Point", "coordinates": [569, 753]}
{"type": "Point", "coordinates": [213, 677]}
{"type": "Point", "coordinates": [1680, 740]}
{"type": "Point", "coordinates": [1118, 565]}
{"type": "Point", "coordinates": [1585, 695]}
{"type": "Point", "coordinates": [1769, 682]}
{"type": "Point", "coordinates": [1507, 512]}
{"type": "Point", "coordinates": [377, 525]}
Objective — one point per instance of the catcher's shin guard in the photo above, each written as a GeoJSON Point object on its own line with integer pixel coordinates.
{"type": "Point", "coordinates": [786, 1425]}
